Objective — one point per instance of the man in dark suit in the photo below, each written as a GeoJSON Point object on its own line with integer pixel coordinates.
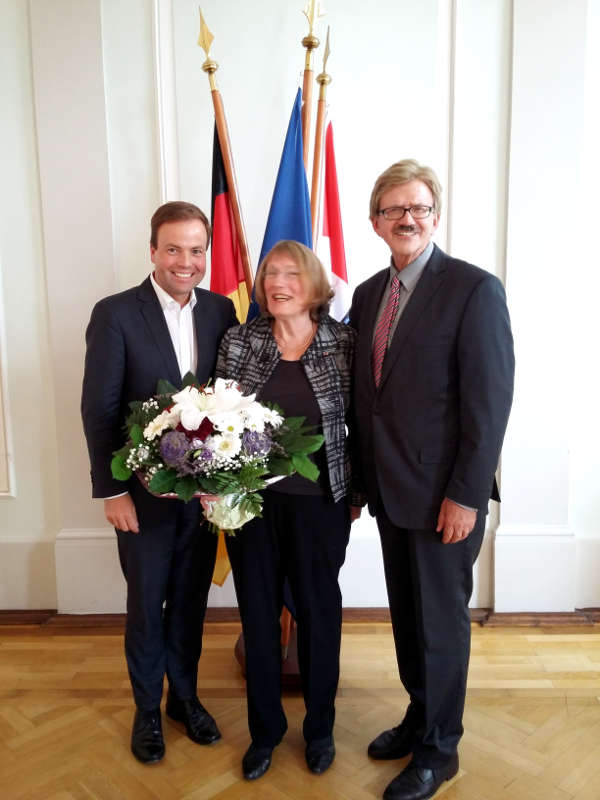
{"type": "Point", "coordinates": [161, 329]}
{"type": "Point", "coordinates": [433, 389]}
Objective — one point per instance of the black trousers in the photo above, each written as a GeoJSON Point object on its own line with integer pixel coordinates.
{"type": "Point", "coordinates": [168, 567]}
{"type": "Point", "coordinates": [429, 586]}
{"type": "Point", "coordinates": [304, 538]}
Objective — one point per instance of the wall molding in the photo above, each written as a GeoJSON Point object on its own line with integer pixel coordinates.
{"type": "Point", "coordinates": [534, 568]}
{"type": "Point", "coordinates": [166, 100]}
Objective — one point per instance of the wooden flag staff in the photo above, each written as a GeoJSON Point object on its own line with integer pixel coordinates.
{"type": "Point", "coordinates": [323, 80]}
{"type": "Point", "coordinates": [210, 67]}
{"type": "Point", "coordinates": [310, 42]}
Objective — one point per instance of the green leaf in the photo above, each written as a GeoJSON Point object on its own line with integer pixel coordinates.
{"type": "Point", "coordinates": [136, 434]}
{"type": "Point", "coordinates": [162, 481]}
{"type": "Point", "coordinates": [120, 471]}
{"type": "Point", "coordinates": [165, 387]}
{"type": "Point", "coordinates": [189, 379]}
{"type": "Point", "coordinates": [304, 466]}
{"type": "Point", "coordinates": [304, 444]}
{"type": "Point", "coordinates": [185, 488]}
{"type": "Point", "coordinates": [294, 423]}
{"type": "Point", "coordinates": [280, 466]}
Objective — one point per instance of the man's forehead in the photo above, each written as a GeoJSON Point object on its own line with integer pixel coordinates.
{"type": "Point", "coordinates": [185, 230]}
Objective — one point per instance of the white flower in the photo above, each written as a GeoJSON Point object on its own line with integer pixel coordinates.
{"type": "Point", "coordinates": [273, 418]}
{"type": "Point", "coordinates": [156, 426]}
{"type": "Point", "coordinates": [191, 417]}
{"type": "Point", "coordinates": [228, 422]}
{"type": "Point", "coordinates": [225, 515]}
{"type": "Point", "coordinates": [226, 445]}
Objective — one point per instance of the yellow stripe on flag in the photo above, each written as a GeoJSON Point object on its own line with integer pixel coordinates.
{"type": "Point", "coordinates": [222, 565]}
{"type": "Point", "coordinates": [240, 300]}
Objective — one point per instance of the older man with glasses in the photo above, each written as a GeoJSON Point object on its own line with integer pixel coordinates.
{"type": "Point", "coordinates": [433, 387]}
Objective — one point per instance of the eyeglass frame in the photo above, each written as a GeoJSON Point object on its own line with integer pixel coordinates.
{"type": "Point", "coordinates": [383, 211]}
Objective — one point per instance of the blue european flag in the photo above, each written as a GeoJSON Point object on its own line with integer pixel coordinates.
{"type": "Point", "coordinates": [289, 215]}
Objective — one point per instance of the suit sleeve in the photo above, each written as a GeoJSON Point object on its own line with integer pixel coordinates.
{"type": "Point", "coordinates": [358, 495]}
{"type": "Point", "coordinates": [104, 373]}
{"type": "Point", "coordinates": [486, 377]}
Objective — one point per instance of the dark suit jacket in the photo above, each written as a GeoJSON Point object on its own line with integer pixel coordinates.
{"type": "Point", "coordinates": [434, 427]}
{"type": "Point", "coordinates": [128, 350]}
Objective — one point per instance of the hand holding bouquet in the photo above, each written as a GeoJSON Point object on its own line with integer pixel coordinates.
{"type": "Point", "coordinates": [213, 440]}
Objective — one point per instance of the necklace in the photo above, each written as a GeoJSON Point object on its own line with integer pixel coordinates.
{"type": "Point", "coordinates": [295, 348]}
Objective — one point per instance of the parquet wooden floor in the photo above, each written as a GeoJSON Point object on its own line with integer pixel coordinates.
{"type": "Point", "coordinates": [532, 722]}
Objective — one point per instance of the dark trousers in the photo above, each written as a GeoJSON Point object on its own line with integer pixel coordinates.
{"type": "Point", "coordinates": [168, 567]}
{"type": "Point", "coordinates": [304, 538]}
{"type": "Point", "coordinates": [429, 586]}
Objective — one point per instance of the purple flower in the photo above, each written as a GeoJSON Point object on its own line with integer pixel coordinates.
{"type": "Point", "coordinates": [255, 443]}
{"type": "Point", "coordinates": [174, 447]}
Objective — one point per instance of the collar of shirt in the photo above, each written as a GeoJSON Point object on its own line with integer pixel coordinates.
{"type": "Point", "coordinates": [410, 275]}
{"type": "Point", "coordinates": [165, 299]}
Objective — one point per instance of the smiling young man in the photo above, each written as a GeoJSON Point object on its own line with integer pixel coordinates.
{"type": "Point", "coordinates": [162, 328]}
{"type": "Point", "coordinates": [433, 382]}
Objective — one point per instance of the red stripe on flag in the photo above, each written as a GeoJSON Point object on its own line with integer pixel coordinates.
{"type": "Point", "coordinates": [226, 272]}
{"type": "Point", "coordinates": [332, 217]}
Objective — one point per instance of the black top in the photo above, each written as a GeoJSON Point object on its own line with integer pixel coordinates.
{"type": "Point", "coordinates": [288, 386]}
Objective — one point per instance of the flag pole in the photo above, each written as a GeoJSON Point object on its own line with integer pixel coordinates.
{"type": "Point", "coordinates": [310, 42]}
{"type": "Point", "coordinates": [210, 67]}
{"type": "Point", "coordinates": [323, 80]}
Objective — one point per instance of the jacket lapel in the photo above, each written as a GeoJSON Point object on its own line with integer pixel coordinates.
{"type": "Point", "coordinates": [429, 282]}
{"type": "Point", "coordinates": [158, 332]}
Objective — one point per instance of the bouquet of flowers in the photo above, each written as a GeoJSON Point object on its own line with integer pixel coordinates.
{"type": "Point", "coordinates": [213, 440]}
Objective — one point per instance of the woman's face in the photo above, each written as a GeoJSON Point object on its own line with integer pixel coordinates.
{"type": "Point", "coordinates": [285, 287]}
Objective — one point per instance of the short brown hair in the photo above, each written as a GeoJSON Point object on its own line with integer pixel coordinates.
{"type": "Point", "coordinates": [177, 211]}
{"type": "Point", "coordinates": [402, 172]}
{"type": "Point", "coordinates": [313, 275]}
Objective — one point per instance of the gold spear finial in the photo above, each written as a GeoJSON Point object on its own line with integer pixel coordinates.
{"type": "Point", "coordinates": [323, 79]}
{"type": "Point", "coordinates": [205, 39]}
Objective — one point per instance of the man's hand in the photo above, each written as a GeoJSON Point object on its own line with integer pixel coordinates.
{"type": "Point", "coordinates": [455, 521]}
{"type": "Point", "coordinates": [355, 512]}
{"type": "Point", "coordinates": [120, 512]}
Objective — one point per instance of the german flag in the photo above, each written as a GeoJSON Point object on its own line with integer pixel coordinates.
{"type": "Point", "coordinates": [226, 270]}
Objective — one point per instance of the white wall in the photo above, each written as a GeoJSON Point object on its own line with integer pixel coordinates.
{"type": "Point", "coordinates": [498, 97]}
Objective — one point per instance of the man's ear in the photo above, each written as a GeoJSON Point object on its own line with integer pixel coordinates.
{"type": "Point", "coordinates": [152, 252]}
{"type": "Point", "coordinates": [375, 224]}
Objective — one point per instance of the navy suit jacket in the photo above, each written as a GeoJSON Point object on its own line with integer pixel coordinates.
{"type": "Point", "coordinates": [434, 427]}
{"type": "Point", "coordinates": [129, 349]}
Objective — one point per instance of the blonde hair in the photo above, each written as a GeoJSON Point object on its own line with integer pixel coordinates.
{"type": "Point", "coordinates": [402, 172]}
{"type": "Point", "coordinates": [313, 275]}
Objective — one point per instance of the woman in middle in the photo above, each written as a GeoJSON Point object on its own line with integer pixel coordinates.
{"type": "Point", "coordinates": [297, 356]}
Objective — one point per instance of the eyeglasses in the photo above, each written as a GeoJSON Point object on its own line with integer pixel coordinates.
{"type": "Point", "coordinates": [397, 212]}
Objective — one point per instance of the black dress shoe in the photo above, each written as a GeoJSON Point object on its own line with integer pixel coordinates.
{"type": "Point", "coordinates": [320, 755]}
{"type": "Point", "coordinates": [420, 783]}
{"type": "Point", "coordinates": [256, 762]}
{"type": "Point", "coordinates": [199, 725]}
{"type": "Point", "coordinates": [147, 743]}
{"type": "Point", "coordinates": [395, 743]}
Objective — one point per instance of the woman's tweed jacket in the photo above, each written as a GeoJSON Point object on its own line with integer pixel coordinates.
{"type": "Point", "coordinates": [249, 354]}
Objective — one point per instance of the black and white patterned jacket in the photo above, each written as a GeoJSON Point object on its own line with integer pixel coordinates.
{"type": "Point", "coordinates": [249, 354]}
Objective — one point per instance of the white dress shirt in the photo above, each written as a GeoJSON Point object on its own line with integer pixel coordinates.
{"type": "Point", "coordinates": [180, 322]}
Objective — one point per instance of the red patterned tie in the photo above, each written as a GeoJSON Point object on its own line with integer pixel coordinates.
{"type": "Point", "coordinates": [382, 332]}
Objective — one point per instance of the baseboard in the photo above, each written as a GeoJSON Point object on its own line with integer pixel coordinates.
{"type": "Point", "coordinates": [54, 622]}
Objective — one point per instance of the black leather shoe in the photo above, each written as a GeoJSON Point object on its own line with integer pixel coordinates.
{"type": "Point", "coordinates": [420, 783]}
{"type": "Point", "coordinates": [199, 725]}
{"type": "Point", "coordinates": [147, 743]}
{"type": "Point", "coordinates": [256, 762]}
{"type": "Point", "coordinates": [320, 754]}
{"type": "Point", "coordinates": [395, 743]}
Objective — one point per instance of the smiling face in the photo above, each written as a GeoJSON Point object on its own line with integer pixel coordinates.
{"type": "Point", "coordinates": [179, 257]}
{"type": "Point", "coordinates": [285, 287]}
{"type": "Point", "coordinates": [406, 237]}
